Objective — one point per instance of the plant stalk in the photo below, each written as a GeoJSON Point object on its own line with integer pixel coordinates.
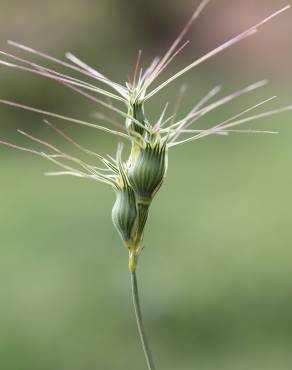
{"type": "Point", "coordinates": [138, 313]}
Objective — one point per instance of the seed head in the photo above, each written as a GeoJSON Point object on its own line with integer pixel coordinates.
{"type": "Point", "coordinates": [137, 180]}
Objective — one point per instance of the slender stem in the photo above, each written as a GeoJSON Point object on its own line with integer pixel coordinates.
{"type": "Point", "coordinates": [138, 313]}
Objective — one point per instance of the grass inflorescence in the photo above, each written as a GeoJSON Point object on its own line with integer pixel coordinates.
{"type": "Point", "coordinates": [137, 178]}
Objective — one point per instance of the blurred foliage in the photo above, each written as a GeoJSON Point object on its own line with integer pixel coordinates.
{"type": "Point", "coordinates": [216, 272]}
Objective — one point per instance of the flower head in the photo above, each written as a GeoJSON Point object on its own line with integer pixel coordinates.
{"type": "Point", "coordinates": [137, 179]}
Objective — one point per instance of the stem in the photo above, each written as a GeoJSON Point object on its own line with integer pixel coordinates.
{"type": "Point", "coordinates": [138, 313]}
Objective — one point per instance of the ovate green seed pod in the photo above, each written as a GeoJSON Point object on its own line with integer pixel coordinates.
{"type": "Point", "coordinates": [124, 214]}
{"type": "Point", "coordinates": [147, 170]}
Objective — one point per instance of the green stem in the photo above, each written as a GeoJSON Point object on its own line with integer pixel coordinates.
{"type": "Point", "coordinates": [138, 313]}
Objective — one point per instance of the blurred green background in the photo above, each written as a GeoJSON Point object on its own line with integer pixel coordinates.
{"type": "Point", "coordinates": [215, 275]}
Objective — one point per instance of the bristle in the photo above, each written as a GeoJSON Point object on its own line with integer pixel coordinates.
{"type": "Point", "coordinates": [207, 56]}
{"type": "Point", "coordinates": [201, 103]}
{"type": "Point", "coordinates": [137, 65]}
{"type": "Point", "coordinates": [109, 106]}
{"type": "Point", "coordinates": [63, 173]}
{"type": "Point", "coordinates": [58, 78]}
{"type": "Point", "coordinates": [160, 120]}
{"type": "Point", "coordinates": [196, 115]}
{"type": "Point", "coordinates": [42, 68]}
{"type": "Point", "coordinates": [236, 123]}
{"type": "Point", "coordinates": [147, 73]}
{"type": "Point", "coordinates": [64, 118]}
{"type": "Point", "coordinates": [60, 153]}
{"type": "Point", "coordinates": [176, 42]}
{"type": "Point", "coordinates": [246, 111]}
{"type": "Point", "coordinates": [13, 146]}
{"type": "Point", "coordinates": [60, 62]}
{"type": "Point", "coordinates": [178, 102]}
{"type": "Point", "coordinates": [111, 120]}
{"type": "Point", "coordinates": [261, 115]}
{"type": "Point", "coordinates": [236, 116]}
{"type": "Point", "coordinates": [155, 74]}
{"type": "Point", "coordinates": [99, 76]}
{"type": "Point", "coordinates": [71, 141]}
{"type": "Point", "coordinates": [249, 32]}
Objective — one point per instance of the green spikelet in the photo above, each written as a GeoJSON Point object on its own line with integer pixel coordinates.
{"type": "Point", "coordinates": [124, 212]}
{"type": "Point", "coordinates": [136, 110]}
{"type": "Point", "coordinates": [147, 170]}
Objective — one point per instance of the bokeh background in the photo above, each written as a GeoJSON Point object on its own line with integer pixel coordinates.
{"type": "Point", "coordinates": [215, 275]}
